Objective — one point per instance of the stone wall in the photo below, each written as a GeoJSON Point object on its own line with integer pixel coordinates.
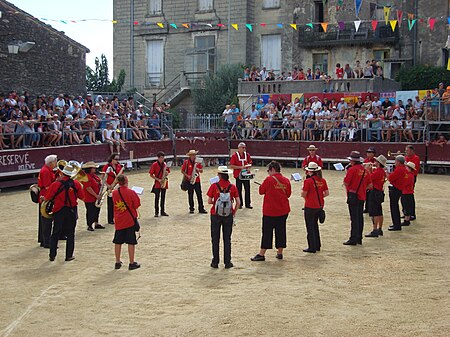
{"type": "Point", "coordinates": [53, 65]}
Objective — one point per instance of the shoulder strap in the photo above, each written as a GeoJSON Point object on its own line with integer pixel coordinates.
{"type": "Point", "coordinates": [279, 184]}
{"type": "Point", "coordinates": [359, 185]}
{"type": "Point", "coordinates": [128, 209]}
{"type": "Point", "coordinates": [317, 191]}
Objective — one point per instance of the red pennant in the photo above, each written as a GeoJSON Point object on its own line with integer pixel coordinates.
{"type": "Point", "coordinates": [220, 25]}
{"type": "Point", "coordinates": [136, 23]}
{"type": "Point", "coordinates": [399, 17]}
{"type": "Point", "coordinates": [431, 22]}
{"type": "Point", "coordinates": [421, 20]}
{"type": "Point", "coordinates": [262, 24]}
{"type": "Point", "coordinates": [374, 24]}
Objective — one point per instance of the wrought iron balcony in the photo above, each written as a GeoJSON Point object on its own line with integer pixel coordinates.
{"type": "Point", "coordinates": [334, 36]}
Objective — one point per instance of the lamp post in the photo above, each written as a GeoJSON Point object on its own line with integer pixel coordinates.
{"type": "Point", "coordinates": [229, 28]}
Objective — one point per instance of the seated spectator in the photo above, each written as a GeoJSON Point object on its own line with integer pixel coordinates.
{"type": "Point", "coordinates": [154, 127]}
{"type": "Point", "coordinates": [108, 138]}
{"type": "Point", "coordinates": [358, 70]}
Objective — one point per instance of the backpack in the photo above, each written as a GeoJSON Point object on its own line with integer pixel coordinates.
{"type": "Point", "coordinates": [223, 203]}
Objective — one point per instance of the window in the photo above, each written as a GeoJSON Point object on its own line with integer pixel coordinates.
{"type": "Point", "coordinates": [154, 7]}
{"type": "Point", "coordinates": [271, 52]}
{"type": "Point", "coordinates": [204, 53]}
{"type": "Point", "coordinates": [321, 61]}
{"type": "Point", "coordinates": [205, 5]}
{"type": "Point", "coordinates": [155, 62]}
{"type": "Point", "coordinates": [380, 55]}
{"type": "Point", "coordinates": [271, 4]}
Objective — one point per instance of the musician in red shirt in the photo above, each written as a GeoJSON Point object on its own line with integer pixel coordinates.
{"type": "Point", "coordinates": [312, 157]}
{"type": "Point", "coordinates": [187, 169]}
{"type": "Point", "coordinates": [45, 179]}
{"type": "Point", "coordinates": [126, 202]}
{"type": "Point", "coordinates": [276, 190]}
{"type": "Point", "coordinates": [412, 157]}
{"type": "Point", "coordinates": [65, 193]}
{"type": "Point", "coordinates": [357, 181]}
{"type": "Point", "coordinates": [315, 189]}
{"type": "Point", "coordinates": [241, 162]}
{"type": "Point", "coordinates": [397, 180]}
{"type": "Point", "coordinates": [408, 193]}
{"type": "Point", "coordinates": [376, 197]}
{"type": "Point", "coordinates": [225, 221]}
{"type": "Point", "coordinates": [92, 189]}
{"type": "Point", "coordinates": [368, 163]}
{"type": "Point", "coordinates": [158, 171]}
{"type": "Point", "coordinates": [112, 170]}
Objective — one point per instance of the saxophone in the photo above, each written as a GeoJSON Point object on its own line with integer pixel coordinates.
{"type": "Point", "coordinates": [103, 191]}
{"type": "Point", "coordinates": [194, 173]}
{"type": "Point", "coordinates": [164, 177]}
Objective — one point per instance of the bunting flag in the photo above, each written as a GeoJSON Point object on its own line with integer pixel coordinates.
{"type": "Point", "coordinates": [220, 25]}
{"type": "Point", "coordinates": [431, 22]}
{"type": "Point", "coordinates": [387, 13]}
{"type": "Point", "coordinates": [393, 24]}
{"type": "Point", "coordinates": [340, 2]}
{"type": "Point", "coordinates": [62, 21]}
{"type": "Point", "coordinates": [357, 24]}
{"type": "Point", "coordinates": [448, 20]}
{"type": "Point", "coordinates": [114, 21]}
{"type": "Point", "coordinates": [310, 25]}
{"type": "Point", "coordinates": [448, 64]}
{"type": "Point", "coordinates": [341, 25]}
{"type": "Point", "coordinates": [280, 25]}
{"type": "Point", "coordinates": [235, 26]}
{"type": "Point", "coordinates": [263, 24]}
{"type": "Point", "coordinates": [374, 24]}
{"type": "Point", "coordinates": [136, 23]}
{"type": "Point", "coordinates": [185, 25]}
{"type": "Point", "coordinates": [209, 25]}
{"type": "Point", "coordinates": [174, 25]}
{"type": "Point", "coordinates": [294, 25]}
{"type": "Point", "coordinates": [399, 17]}
{"type": "Point", "coordinates": [358, 6]}
{"type": "Point", "coordinates": [411, 23]}
{"type": "Point", "coordinates": [324, 26]}
{"type": "Point", "coordinates": [249, 27]}
{"type": "Point", "coordinates": [160, 24]}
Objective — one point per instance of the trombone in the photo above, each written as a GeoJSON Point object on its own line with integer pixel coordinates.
{"type": "Point", "coordinates": [395, 154]}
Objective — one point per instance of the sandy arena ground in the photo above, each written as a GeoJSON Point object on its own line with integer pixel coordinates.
{"type": "Point", "coordinates": [396, 285]}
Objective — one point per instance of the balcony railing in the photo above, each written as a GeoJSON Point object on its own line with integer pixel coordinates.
{"type": "Point", "coordinates": [348, 35]}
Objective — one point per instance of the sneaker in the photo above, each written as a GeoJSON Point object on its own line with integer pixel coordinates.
{"type": "Point", "coordinates": [393, 228]}
{"type": "Point", "coordinates": [191, 212]}
{"type": "Point", "coordinates": [258, 257]}
{"type": "Point", "coordinates": [133, 266]}
{"type": "Point", "coordinates": [98, 226]}
{"type": "Point", "coordinates": [350, 243]}
{"type": "Point", "coordinates": [228, 265]}
{"type": "Point", "coordinates": [51, 258]}
{"type": "Point", "coordinates": [203, 211]}
{"type": "Point", "coordinates": [90, 229]}
{"type": "Point", "coordinates": [214, 265]}
{"type": "Point", "coordinates": [249, 207]}
{"type": "Point", "coordinates": [164, 214]}
{"type": "Point", "coordinates": [406, 223]}
{"type": "Point", "coordinates": [308, 250]}
{"type": "Point", "coordinates": [380, 232]}
{"type": "Point", "coordinates": [279, 256]}
{"type": "Point", "coordinates": [71, 258]}
{"type": "Point", "coordinates": [372, 234]}
{"type": "Point", "coordinates": [118, 265]}
{"type": "Point", "coordinates": [412, 218]}
{"type": "Point", "coordinates": [156, 215]}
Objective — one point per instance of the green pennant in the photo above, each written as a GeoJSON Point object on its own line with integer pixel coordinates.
{"type": "Point", "coordinates": [411, 23]}
{"type": "Point", "coordinates": [310, 25]}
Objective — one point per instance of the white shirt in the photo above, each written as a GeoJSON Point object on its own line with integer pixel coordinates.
{"type": "Point", "coordinates": [316, 105]}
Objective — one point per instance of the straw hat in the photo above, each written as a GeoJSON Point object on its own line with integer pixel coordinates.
{"type": "Point", "coordinates": [191, 153]}
{"type": "Point", "coordinates": [381, 159]}
{"type": "Point", "coordinates": [355, 156]}
{"type": "Point", "coordinates": [312, 147]}
{"type": "Point", "coordinates": [70, 171]}
{"type": "Point", "coordinates": [89, 164]}
{"type": "Point", "coordinates": [411, 165]}
{"type": "Point", "coordinates": [224, 170]}
{"type": "Point", "coordinates": [312, 166]}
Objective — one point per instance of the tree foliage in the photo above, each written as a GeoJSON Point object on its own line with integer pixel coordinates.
{"type": "Point", "coordinates": [422, 77]}
{"type": "Point", "coordinates": [218, 90]}
{"type": "Point", "coordinates": [98, 79]}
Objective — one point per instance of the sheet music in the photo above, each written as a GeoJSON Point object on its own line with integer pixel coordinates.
{"type": "Point", "coordinates": [138, 190]}
{"type": "Point", "coordinates": [339, 167]}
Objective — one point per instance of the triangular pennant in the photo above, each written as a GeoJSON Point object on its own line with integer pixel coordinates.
{"type": "Point", "coordinates": [387, 12]}
{"type": "Point", "coordinates": [160, 24]}
{"type": "Point", "coordinates": [235, 26]}
{"type": "Point", "coordinates": [399, 17]}
{"type": "Point", "coordinates": [411, 23]}
{"type": "Point", "coordinates": [280, 25]}
{"type": "Point", "coordinates": [431, 22]}
{"type": "Point", "coordinates": [310, 25]}
{"type": "Point", "coordinates": [448, 64]}
{"type": "Point", "coordinates": [262, 24]}
{"type": "Point", "coordinates": [341, 25]}
{"type": "Point", "coordinates": [114, 21]}
{"type": "Point", "coordinates": [393, 24]}
{"type": "Point", "coordinates": [358, 6]}
{"type": "Point", "coordinates": [410, 16]}
{"type": "Point", "coordinates": [448, 20]}
{"type": "Point", "coordinates": [63, 21]}
{"type": "Point", "coordinates": [249, 26]}
{"type": "Point", "coordinates": [220, 25]}
{"type": "Point", "coordinates": [135, 23]}
{"type": "Point", "coordinates": [73, 21]}
{"type": "Point", "coordinates": [324, 26]}
{"type": "Point", "coordinates": [374, 24]}
{"type": "Point", "coordinates": [185, 25]}
{"type": "Point", "coordinates": [340, 2]}
{"type": "Point", "coordinates": [357, 24]}
{"type": "Point", "coordinates": [174, 25]}
{"type": "Point", "coordinates": [209, 25]}
{"type": "Point", "coordinates": [294, 25]}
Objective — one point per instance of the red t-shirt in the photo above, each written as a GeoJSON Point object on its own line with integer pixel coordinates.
{"type": "Point", "coordinates": [340, 72]}
{"type": "Point", "coordinates": [398, 177]}
{"type": "Point", "coordinates": [408, 186]}
{"type": "Point", "coordinates": [45, 179]}
{"type": "Point", "coordinates": [188, 167]}
{"type": "Point", "coordinates": [123, 218]}
{"type": "Point", "coordinates": [311, 199]}
{"type": "Point", "coordinates": [93, 182]}
{"type": "Point", "coordinates": [60, 198]}
{"type": "Point", "coordinates": [157, 169]}
{"type": "Point", "coordinates": [276, 197]}
{"type": "Point", "coordinates": [240, 160]}
{"type": "Point", "coordinates": [416, 160]}
{"type": "Point", "coordinates": [113, 173]}
{"type": "Point", "coordinates": [378, 177]}
{"type": "Point", "coordinates": [353, 178]}
{"type": "Point", "coordinates": [316, 159]}
{"type": "Point", "coordinates": [369, 160]}
{"type": "Point", "coordinates": [214, 193]}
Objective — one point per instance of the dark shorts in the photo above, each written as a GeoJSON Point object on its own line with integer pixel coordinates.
{"type": "Point", "coordinates": [127, 235]}
{"type": "Point", "coordinates": [407, 201]}
{"type": "Point", "coordinates": [375, 207]}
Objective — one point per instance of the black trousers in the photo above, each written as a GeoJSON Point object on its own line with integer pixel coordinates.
{"type": "Point", "coordinates": [394, 197]}
{"type": "Point", "coordinates": [413, 209]}
{"type": "Point", "coordinates": [92, 213]}
{"type": "Point", "coordinates": [45, 229]}
{"type": "Point", "coordinates": [357, 221]}
{"type": "Point", "coordinates": [39, 225]}
{"type": "Point", "coordinates": [366, 204]}
{"type": "Point", "coordinates": [198, 191]}
{"type": "Point", "coordinates": [246, 184]}
{"type": "Point", "coordinates": [65, 222]}
{"type": "Point", "coordinates": [269, 224]}
{"type": "Point", "coordinates": [227, 228]}
{"type": "Point", "coordinates": [312, 228]}
{"type": "Point", "coordinates": [110, 210]}
{"type": "Point", "coordinates": [160, 193]}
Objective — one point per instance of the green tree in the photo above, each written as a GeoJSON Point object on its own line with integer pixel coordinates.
{"type": "Point", "coordinates": [98, 79]}
{"type": "Point", "coordinates": [218, 90]}
{"type": "Point", "coordinates": [422, 77]}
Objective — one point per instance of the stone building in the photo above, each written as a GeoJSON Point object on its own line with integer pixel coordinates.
{"type": "Point", "coordinates": [35, 57]}
{"type": "Point", "coordinates": [166, 60]}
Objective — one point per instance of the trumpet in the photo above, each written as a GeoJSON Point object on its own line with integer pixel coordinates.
{"type": "Point", "coordinates": [395, 154]}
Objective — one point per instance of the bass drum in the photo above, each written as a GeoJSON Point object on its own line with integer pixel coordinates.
{"type": "Point", "coordinates": [47, 209]}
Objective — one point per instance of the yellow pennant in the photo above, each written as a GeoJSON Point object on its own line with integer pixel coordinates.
{"type": "Point", "coordinates": [393, 24]}
{"type": "Point", "coordinates": [324, 26]}
{"type": "Point", "coordinates": [160, 25]}
{"type": "Point", "coordinates": [114, 21]}
{"type": "Point", "coordinates": [235, 26]}
{"type": "Point", "coordinates": [294, 25]}
{"type": "Point", "coordinates": [387, 12]}
{"type": "Point", "coordinates": [448, 64]}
